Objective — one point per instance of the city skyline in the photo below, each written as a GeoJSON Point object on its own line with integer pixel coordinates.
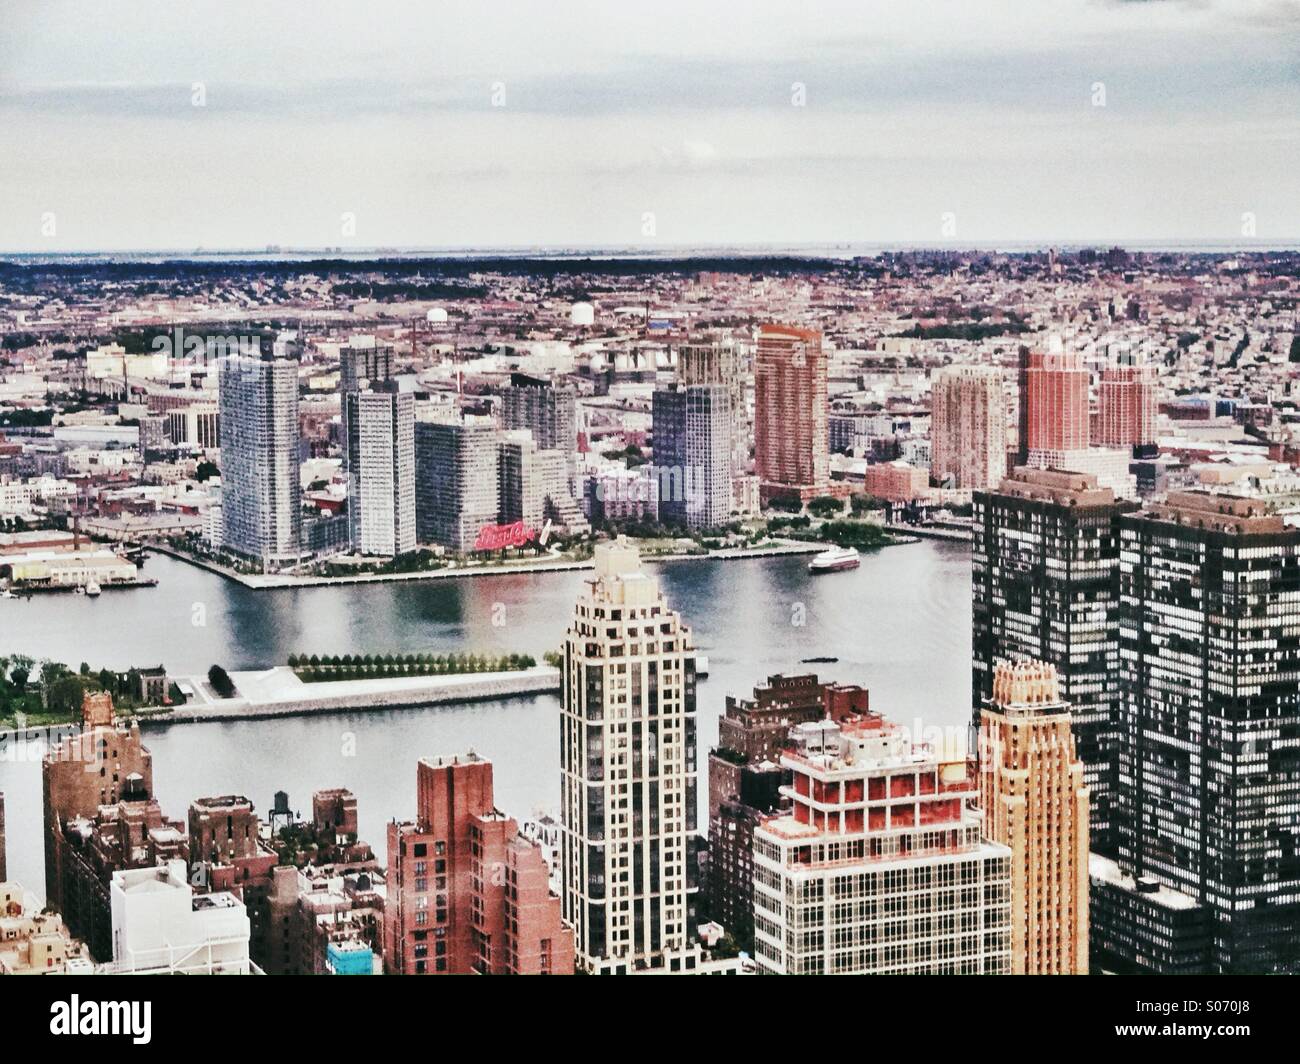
{"type": "Point", "coordinates": [573, 488]}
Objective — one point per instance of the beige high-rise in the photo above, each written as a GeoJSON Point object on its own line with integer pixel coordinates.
{"type": "Point", "coordinates": [1035, 802]}
{"type": "Point", "coordinates": [968, 432]}
{"type": "Point", "coordinates": [627, 762]}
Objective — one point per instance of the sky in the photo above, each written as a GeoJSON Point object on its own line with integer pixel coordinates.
{"type": "Point", "coordinates": [185, 125]}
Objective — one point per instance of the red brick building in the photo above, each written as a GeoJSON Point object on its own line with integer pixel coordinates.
{"type": "Point", "coordinates": [466, 893]}
{"type": "Point", "coordinates": [1127, 406]}
{"type": "Point", "coordinates": [100, 818]}
{"type": "Point", "coordinates": [896, 481]}
{"type": "Point", "coordinates": [1058, 404]}
{"type": "Point", "coordinates": [791, 430]}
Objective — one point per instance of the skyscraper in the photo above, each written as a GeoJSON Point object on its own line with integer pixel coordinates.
{"type": "Point", "coordinates": [457, 481]}
{"type": "Point", "coordinates": [692, 439]}
{"type": "Point", "coordinates": [1128, 406]}
{"type": "Point", "coordinates": [361, 363]}
{"type": "Point", "coordinates": [1208, 795]}
{"type": "Point", "coordinates": [261, 495]}
{"type": "Point", "coordinates": [1026, 360]}
{"type": "Point", "coordinates": [1036, 803]}
{"type": "Point", "coordinates": [627, 763]}
{"type": "Point", "coordinates": [879, 867]}
{"type": "Point", "coordinates": [466, 892]}
{"type": "Point", "coordinates": [1044, 583]}
{"type": "Point", "coordinates": [968, 426]}
{"type": "Point", "coordinates": [381, 470]}
{"type": "Point", "coordinates": [720, 362]}
{"type": "Point", "coordinates": [546, 409]}
{"type": "Point", "coordinates": [533, 485]}
{"type": "Point", "coordinates": [1058, 419]}
{"type": "Point", "coordinates": [791, 442]}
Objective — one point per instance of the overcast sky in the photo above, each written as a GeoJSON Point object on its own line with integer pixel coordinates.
{"type": "Point", "coordinates": [985, 111]}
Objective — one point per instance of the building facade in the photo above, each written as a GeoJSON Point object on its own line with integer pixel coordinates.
{"type": "Point", "coordinates": [1057, 396]}
{"type": "Point", "coordinates": [1208, 795]}
{"type": "Point", "coordinates": [968, 426]}
{"type": "Point", "coordinates": [466, 892]}
{"type": "Point", "coordinates": [1142, 927]}
{"type": "Point", "coordinates": [381, 470]}
{"type": "Point", "coordinates": [261, 495]}
{"type": "Point", "coordinates": [879, 867]}
{"type": "Point", "coordinates": [35, 942]}
{"type": "Point", "coordinates": [791, 441]}
{"type": "Point", "coordinates": [100, 817]}
{"type": "Point", "coordinates": [546, 409]}
{"type": "Point", "coordinates": [533, 486]}
{"type": "Point", "coordinates": [162, 927]}
{"type": "Point", "coordinates": [457, 481]}
{"type": "Point", "coordinates": [692, 440]}
{"type": "Point", "coordinates": [1035, 803]}
{"type": "Point", "coordinates": [721, 362]}
{"type": "Point", "coordinates": [362, 362]}
{"type": "Point", "coordinates": [1128, 406]}
{"type": "Point", "coordinates": [627, 763]}
{"type": "Point", "coordinates": [745, 780]}
{"type": "Point", "coordinates": [1045, 585]}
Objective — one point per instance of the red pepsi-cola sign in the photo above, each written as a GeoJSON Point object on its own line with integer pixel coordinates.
{"type": "Point", "coordinates": [499, 537]}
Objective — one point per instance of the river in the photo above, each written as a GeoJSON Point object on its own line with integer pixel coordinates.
{"type": "Point", "coordinates": [899, 625]}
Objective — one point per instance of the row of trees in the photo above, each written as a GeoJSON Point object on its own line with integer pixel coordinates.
{"type": "Point", "coordinates": [828, 505]}
{"type": "Point", "coordinates": [365, 666]}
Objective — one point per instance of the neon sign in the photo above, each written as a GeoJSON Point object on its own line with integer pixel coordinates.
{"type": "Point", "coordinates": [499, 537]}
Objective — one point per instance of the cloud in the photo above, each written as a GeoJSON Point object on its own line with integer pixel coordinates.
{"type": "Point", "coordinates": [682, 110]}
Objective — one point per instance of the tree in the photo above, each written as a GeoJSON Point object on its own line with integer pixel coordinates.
{"type": "Point", "coordinates": [221, 681]}
{"type": "Point", "coordinates": [786, 503]}
{"type": "Point", "coordinates": [825, 506]}
{"type": "Point", "coordinates": [66, 693]}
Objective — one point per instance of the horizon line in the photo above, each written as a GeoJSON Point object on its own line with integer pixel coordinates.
{"type": "Point", "coordinates": [810, 249]}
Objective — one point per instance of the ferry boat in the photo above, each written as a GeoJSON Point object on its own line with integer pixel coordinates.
{"type": "Point", "coordinates": [834, 560]}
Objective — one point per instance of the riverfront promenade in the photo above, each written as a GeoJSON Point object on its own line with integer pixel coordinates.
{"type": "Point", "coordinates": [267, 581]}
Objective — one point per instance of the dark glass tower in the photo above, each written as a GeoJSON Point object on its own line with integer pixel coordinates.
{"type": "Point", "coordinates": [1044, 582]}
{"type": "Point", "coordinates": [1208, 789]}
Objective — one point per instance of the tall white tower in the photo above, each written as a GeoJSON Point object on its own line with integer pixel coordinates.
{"type": "Point", "coordinates": [627, 759]}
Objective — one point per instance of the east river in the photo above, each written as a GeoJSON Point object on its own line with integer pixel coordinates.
{"type": "Point", "coordinates": [899, 625]}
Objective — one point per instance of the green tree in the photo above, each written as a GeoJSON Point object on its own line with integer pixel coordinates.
{"type": "Point", "coordinates": [825, 506]}
{"type": "Point", "coordinates": [221, 681]}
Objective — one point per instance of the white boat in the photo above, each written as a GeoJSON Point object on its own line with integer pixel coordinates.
{"type": "Point", "coordinates": [835, 560]}
{"type": "Point", "coordinates": [78, 590]}
{"type": "Point", "coordinates": [7, 593]}
{"type": "Point", "coordinates": [92, 589]}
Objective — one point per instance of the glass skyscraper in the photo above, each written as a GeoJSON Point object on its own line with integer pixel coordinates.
{"type": "Point", "coordinates": [1045, 562]}
{"type": "Point", "coordinates": [1208, 790]}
